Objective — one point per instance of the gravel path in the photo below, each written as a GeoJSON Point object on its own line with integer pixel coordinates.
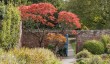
{"type": "Point", "coordinates": [68, 61]}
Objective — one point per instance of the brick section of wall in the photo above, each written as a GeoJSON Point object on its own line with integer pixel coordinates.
{"type": "Point", "coordinates": [31, 41]}
{"type": "Point", "coordinates": [85, 35]}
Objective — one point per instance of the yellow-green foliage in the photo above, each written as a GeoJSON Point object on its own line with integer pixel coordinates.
{"type": "Point", "coordinates": [6, 58]}
{"type": "Point", "coordinates": [35, 56]}
{"type": "Point", "coordinates": [28, 56]}
{"type": "Point", "coordinates": [9, 33]}
{"type": "Point", "coordinates": [105, 40]}
{"type": "Point", "coordinates": [94, 46]}
{"type": "Point", "coordinates": [84, 54]}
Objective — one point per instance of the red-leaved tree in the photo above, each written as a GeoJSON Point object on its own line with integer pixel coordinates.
{"type": "Point", "coordinates": [44, 14]}
{"type": "Point", "coordinates": [69, 19]}
{"type": "Point", "coordinates": [40, 13]}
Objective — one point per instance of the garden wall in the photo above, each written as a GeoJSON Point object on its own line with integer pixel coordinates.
{"type": "Point", "coordinates": [30, 40]}
{"type": "Point", "coordinates": [85, 35]}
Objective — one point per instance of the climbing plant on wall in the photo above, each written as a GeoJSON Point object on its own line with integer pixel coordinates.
{"type": "Point", "coordinates": [9, 35]}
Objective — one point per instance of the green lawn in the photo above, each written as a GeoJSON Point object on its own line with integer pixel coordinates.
{"type": "Point", "coordinates": [74, 47]}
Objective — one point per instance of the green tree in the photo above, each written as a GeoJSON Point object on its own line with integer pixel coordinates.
{"type": "Point", "coordinates": [94, 14]}
{"type": "Point", "coordinates": [17, 2]}
{"type": "Point", "coordinates": [57, 3]}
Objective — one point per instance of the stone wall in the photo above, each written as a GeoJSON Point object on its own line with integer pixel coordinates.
{"type": "Point", "coordinates": [30, 40]}
{"type": "Point", "coordinates": [85, 35]}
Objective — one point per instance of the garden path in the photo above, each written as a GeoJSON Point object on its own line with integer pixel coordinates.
{"type": "Point", "coordinates": [70, 59]}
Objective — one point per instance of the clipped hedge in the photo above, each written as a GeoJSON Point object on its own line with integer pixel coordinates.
{"type": "Point", "coordinates": [94, 47]}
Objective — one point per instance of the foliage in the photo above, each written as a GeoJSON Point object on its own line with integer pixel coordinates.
{"type": "Point", "coordinates": [74, 32]}
{"type": "Point", "coordinates": [28, 56]}
{"type": "Point", "coordinates": [2, 11]}
{"type": "Point", "coordinates": [57, 3]}
{"type": "Point", "coordinates": [84, 54]}
{"type": "Point", "coordinates": [105, 56]}
{"type": "Point", "coordinates": [96, 60]}
{"type": "Point", "coordinates": [40, 13]}
{"type": "Point", "coordinates": [108, 48]}
{"type": "Point", "coordinates": [94, 46]}
{"type": "Point", "coordinates": [17, 2]}
{"type": "Point", "coordinates": [82, 61]}
{"type": "Point", "coordinates": [45, 14]}
{"type": "Point", "coordinates": [68, 18]}
{"type": "Point", "coordinates": [6, 58]}
{"type": "Point", "coordinates": [9, 34]}
{"type": "Point", "coordinates": [56, 37]}
{"type": "Point", "coordinates": [94, 14]}
{"type": "Point", "coordinates": [33, 56]}
{"type": "Point", "coordinates": [92, 60]}
{"type": "Point", "coordinates": [57, 40]}
{"type": "Point", "coordinates": [105, 40]}
{"type": "Point", "coordinates": [74, 47]}
{"type": "Point", "coordinates": [1, 51]}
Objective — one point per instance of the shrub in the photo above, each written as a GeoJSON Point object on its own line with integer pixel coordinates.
{"type": "Point", "coordinates": [108, 48]}
{"type": "Point", "coordinates": [108, 51]}
{"type": "Point", "coordinates": [6, 58]}
{"type": "Point", "coordinates": [84, 54]}
{"type": "Point", "coordinates": [104, 56]}
{"type": "Point", "coordinates": [94, 46]}
{"type": "Point", "coordinates": [57, 40]}
{"type": "Point", "coordinates": [33, 56]}
{"type": "Point", "coordinates": [1, 51]}
{"type": "Point", "coordinates": [83, 61]}
{"type": "Point", "coordinates": [96, 60]}
{"type": "Point", "coordinates": [93, 60]}
{"type": "Point", "coordinates": [105, 40]}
